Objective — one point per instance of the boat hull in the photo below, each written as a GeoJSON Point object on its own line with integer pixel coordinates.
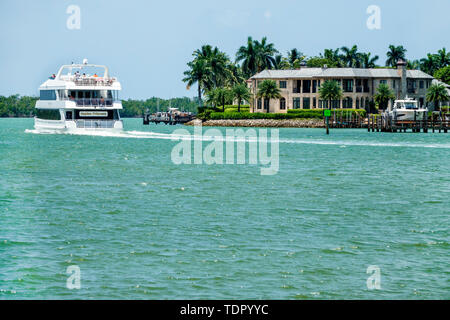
{"type": "Point", "coordinates": [62, 126]}
{"type": "Point", "coordinates": [408, 115]}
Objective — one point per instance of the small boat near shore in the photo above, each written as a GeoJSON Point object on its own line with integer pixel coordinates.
{"type": "Point", "coordinates": [79, 97]}
{"type": "Point", "coordinates": [407, 110]}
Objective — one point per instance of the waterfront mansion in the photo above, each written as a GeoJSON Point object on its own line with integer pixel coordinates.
{"type": "Point", "coordinates": [300, 88]}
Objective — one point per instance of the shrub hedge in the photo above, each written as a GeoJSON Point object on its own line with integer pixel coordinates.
{"type": "Point", "coordinates": [231, 113]}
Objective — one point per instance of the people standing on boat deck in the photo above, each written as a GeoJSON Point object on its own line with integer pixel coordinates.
{"type": "Point", "coordinates": [95, 75]}
{"type": "Point", "coordinates": [53, 76]}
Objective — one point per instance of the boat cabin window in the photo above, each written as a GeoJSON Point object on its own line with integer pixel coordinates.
{"type": "Point", "coordinates": [48, 114]}
{"type": "Point", "coordinates": [47, 94]}
{"type": "Point", "coordinates": [410, 105]}
{"type": "Point", "coordinates": [92, 94]}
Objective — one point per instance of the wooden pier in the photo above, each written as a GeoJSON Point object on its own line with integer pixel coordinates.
{"type": "Point", "coordinates": [382, 123]}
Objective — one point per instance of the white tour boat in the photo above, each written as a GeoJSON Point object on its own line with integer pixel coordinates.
{"type": "Point", "coordinates": [79, 97]}
{"type": "Point", "coordinates": [407, 110]}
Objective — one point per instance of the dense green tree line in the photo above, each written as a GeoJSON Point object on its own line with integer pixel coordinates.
{"type": "Point", "coordinates": [23, 106]}
{"type": "Point", "coordinates": [17, 106]}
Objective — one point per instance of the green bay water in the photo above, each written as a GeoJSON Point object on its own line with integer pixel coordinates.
{"type": "Point", "coordinates": [140, 227]}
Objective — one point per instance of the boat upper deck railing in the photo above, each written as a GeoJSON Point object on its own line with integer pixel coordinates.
{"type": "Point", "coordinates": [89, 81]}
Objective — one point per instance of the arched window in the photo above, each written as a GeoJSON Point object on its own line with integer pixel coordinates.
{"type": "Point", "coordinates": [347, 103]}
{"type": "Point", "coordinates": [282, 104]}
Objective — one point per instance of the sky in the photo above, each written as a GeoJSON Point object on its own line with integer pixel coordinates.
{"type": "Point", "coordinates": [147, 44]}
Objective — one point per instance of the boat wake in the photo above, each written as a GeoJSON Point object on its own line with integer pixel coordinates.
{"type": "Point", "coordinates": [177, 137]}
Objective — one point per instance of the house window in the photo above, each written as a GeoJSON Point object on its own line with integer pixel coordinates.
{"type": "Point", "coordinates": [383, 81]}
{"type": "Point", "coordinates": [359, 87]}
{"type": "Point", "coordinates": [266, 104]}
{"type": "Point", "coordinates": [282, 104]}
{"type": "Point", "coordinates": [348, 85]}
{"type": "Point", "coordinates": [393, 84]}
{"type": "Point", "coordinates": [306, 103]}
{"type": "Point", "coordinates": [259, 104]}
{"type": "Point", "coordinates": [323, 104]}
{"type": "Point", "coordinates": [283, 85]}
{"type": "Point", "coordinates": [314, 102]}
{"type": "Point", "coordinates": [336, 104]}
{"type": "Point", "coordinates": [314, 86]}
{"type": "Point", "coordinates": [296, 103]}
{"type": "Point", "coordinates": [421, 85]}
{"type": "Point", "coordinates": [347, 103]}
{"type": "Point", "coordinates": [357, 103]}
{"type": "Point", "coordinates": [306, 86]}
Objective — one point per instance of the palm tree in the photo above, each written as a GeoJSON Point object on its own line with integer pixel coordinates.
{"type": "Point", "coordinates": [413, 64]}
{"type": "Point", "coordinates": [197, 73]}
{"type": "Point", "coordinates": [249, 57]}
{"type": "Point", "coordinates": [368, 61]}
{"type": "Point", "coordinates": [265, 54]}
{"type": "Point", "coordinates": [429, 64]}
{"type": "Point", "coordinates": [351, 57]}
{"type": "Point", "coordinates": [217, 65]}
{"type": "Point", "coordinates": [383, 95]}
{"type": "Point", "coordinates": [256, 56]}
{"type": "Point", "coordinates": [437, 93]}
{"type": "Point", "coordinates": [281, 63]}
{"type": "Point", "coordinates": [394, 54]}
{"type": "Point", "coordinates": [330, 90]}
{"type": "Point", "coordinates": [235, 75]}
{"type": "Point", "coordinates": [241, 93]}
{"type": "Point", "coordinates": [220, 97]}
{"type": "Point", "coordinates": [443, 58]}
{"type": "Point", "coordinates": [293, 55]}
{"type": "Point", "coordinates": [333, 56]}
{"type": "Point", "coordinates": [268, 89]}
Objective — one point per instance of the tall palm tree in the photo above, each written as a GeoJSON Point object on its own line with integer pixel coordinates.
{"type": "Point", "coordinates": [368, 61]}
{"type": "Point", "coordinates": [429, 64]}
{"type": "Point", "coordinates": [256, 56]}
{"type": "Point", "coordinates": [383, 95]}
{"type": "Point", "coordinates": [281, 63]}
{"type": "Point", "coordinates": [265, 54]}
{"type": "Point", "coordinates": [394, 54]}
{"type": "Point", "coordinates": [268, 89]}
{"type": "Point", "coordinates": [217, 65]}
{"type": "Point", "coordinates": [413, 64]}
{"type": "Point", "coordinates": [437, 93]}
{"type": "Point", "coordinates": [236, 76]}
{"type": "Point", "coordinates": [249, 57]}
{"type": "Point", "coordinates": [333, 56]}
{"type": "Point", "coordinates": [222, 96]}
{"type": "Point", "coordinates": [443, 58]}
{"type": "Point", "coordinates": [197, 73]}
{"type": "Point", "coordinates": [350, 56]}
{"type": "Point", "coordinates": [241, 93]}
{"type": "Point", "coordinates": [293, 55]}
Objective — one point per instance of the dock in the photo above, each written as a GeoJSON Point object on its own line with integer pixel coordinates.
{"type": "Point", "coordinates": [382, 123]}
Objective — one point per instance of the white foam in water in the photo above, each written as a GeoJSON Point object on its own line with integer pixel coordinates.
{"type": "Point", "coordinates": [168, 136]}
